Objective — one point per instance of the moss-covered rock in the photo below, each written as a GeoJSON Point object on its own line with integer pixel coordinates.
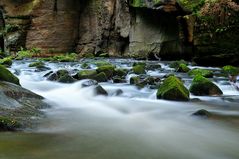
{"type": "Point", "coordinates": [173, 89]}
{"type": "Point", "coordinates": [6, 75]}
{"type": "Point", "coordinates": [100, 77]}
{"type": "Point", "coordinates": [134, 80]}
{"type": "Point", "coordinates": [8, 124]}
{"type": "Point", "coordinates": [84, 74]}
{"type": "Point", "coordinates": [120, 72]}
{"type": "Point", "coordinates": [202, 72]}
{"type": "Point", "coordinates": [66, 79]}
{"type": "Point", "coordinates": [92, 74]}
{"type": "Point", "coordinates": [231, 70]}
{"type": "Point", "coordinates": [139, 69]}
{"type": "Point", "coordinates": [62, 76]}
{"type": "Point", "coordinates": [176, 64]}
{"type": "Point", "coordinates": [38, 64]}
{"type": "Point", "coordinates": [118, 79]}
{"type": "Point", "coordinates": [202, 86]}
{"type": "Point", "coordinates": [183, 68]}
{"type": "Point", "coordinates": [107, 69]}
{"type": "Point", "coordinates": [7, 61]}
{"type": "Point", "coordinates": [85, 65]}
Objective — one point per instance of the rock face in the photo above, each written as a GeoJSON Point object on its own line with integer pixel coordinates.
{"type": "Point", "coordinates": [136, 28]}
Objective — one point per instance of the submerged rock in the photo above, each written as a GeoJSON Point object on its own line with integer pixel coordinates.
{"type": "Point", "coordinates": [99, 90]}
{"type": "Point", "coordinates": [202, 86]}
{"type": "Point", "coordinates": [6, 75]}
{"type": "Point", "coordinates": [202, 113]}
{"type": "Point", "coordinates": [173, 89]}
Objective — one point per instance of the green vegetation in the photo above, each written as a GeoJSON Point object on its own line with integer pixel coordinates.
{"type": "Point", "coordinates": [231, 70]}
{"type": "Point", "coordinates": [202, 86]}
{"type": "Point", "coordinates": [8, 124]}
{"type": "Point", "coordinates": [7, 61]}
{"type": "Point", "coordinates": [6, 75]}
{"type": "Point", "coordinates": [24, 53]}
{"type": "Point", "coordinates": [173, 89]}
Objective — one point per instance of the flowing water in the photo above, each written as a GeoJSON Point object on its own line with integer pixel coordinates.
{"type": "Point", "coordinates": [134, 125]}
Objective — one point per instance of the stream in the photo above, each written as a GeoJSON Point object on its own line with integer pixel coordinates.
{"type": "Point", "coordinates": [133, 125]}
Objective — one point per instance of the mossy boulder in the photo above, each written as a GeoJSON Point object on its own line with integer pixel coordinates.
{"type": "Point", "coordinates": [118, 79]}
{"type": "Point", "coordinates": [231, 70]}
{"type": "Point", "coordinates": [142, 81]}
{"type": "Point", "coordinates": [173, 89]}
{"type": "Point", "coordinates": [6, 75]}
{"type": "Point", "coordinates": [62, 76]}
{"type": "Point", "coordinates": [8, 124]}
{"type": "Point", "coordinates": [120, 72]}
{"type": "Point", "coordinates": [139, 69]}
{"type": "Point", "coordinates": [202, 72]}
{"type": "Point", "coordinates": [100, 77]}
{"type": "Point", "coordinates": [84, 74]}
{"type": "Point", "coordinates": [202, 86]}
{"type": "Point", "coordinates": [183, 68]}
{"type": "Point", "coordinates": [38, 64]}
{"type": "Point", "coordinates": [176, 64]}
{"type": "Point", "coordinates": [92, 74]}
{"type": "Point", "coordinates": [107, 69]}
{"type": "Point", "coordinates": [7, 61]}
{"type": "Point", "coordinates": [85, 65]}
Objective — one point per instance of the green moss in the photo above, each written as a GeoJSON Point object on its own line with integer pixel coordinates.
{"type": "Point", "coordinates": [8, 124]}
{"type": "Point", "coordinates": [202, 86]}
{"type": "Point", "coordinates": [107, 69]}
{"type": "Point", "coordinates": [85, 66]}
{"type": "Point", "coordinates": [7, 61]}
{"type": "Point", "coordinates": [139, 69]}
{"type": "Point", "coordinates": [202, 72]}
{"type": "Point", "coordinates": [173, 89]}
{"type": "Point", "coordinates": [38, 64]}
{"type": "Point", "coordinates": [6, 75]}
{"type": "Point", "coordinates": [231, 70]}
{"type": "Point", "coordinates": [183, 68]}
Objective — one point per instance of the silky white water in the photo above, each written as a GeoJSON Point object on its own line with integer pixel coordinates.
{"type": "Point", "coordinates": [134, 125]}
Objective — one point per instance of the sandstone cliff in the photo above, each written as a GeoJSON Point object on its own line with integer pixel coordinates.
{"type": "Point", "coordinates": [130, 28]}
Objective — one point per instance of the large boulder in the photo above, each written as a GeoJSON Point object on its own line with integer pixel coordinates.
{"type": "Point", "coordinates": [6, 75]}
{"type": "Point", "coordinates": [19, 108]}
{"type": "Point", "coordinates": [62, 76]}
{"type": "Point", "coordinates": [173, 89]}
{"type": "Point", "coordinates": [202, 86]}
